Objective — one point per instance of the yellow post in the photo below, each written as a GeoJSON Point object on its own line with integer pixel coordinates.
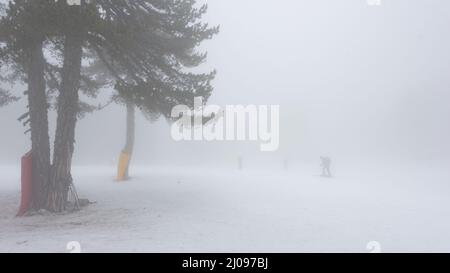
{"type": "Point", "coordinates": [124, 160]}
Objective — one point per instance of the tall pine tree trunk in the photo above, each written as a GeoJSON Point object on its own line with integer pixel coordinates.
{"type": "Point", "coordinates": [68, 103]}
{"type": "Point", "coordinates": [38, 110]}
{"type": "Point", "coordinates": [130, 135]}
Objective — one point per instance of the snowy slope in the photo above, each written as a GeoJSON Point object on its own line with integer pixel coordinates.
{"type": "Point", "coordinates": [167, 209]}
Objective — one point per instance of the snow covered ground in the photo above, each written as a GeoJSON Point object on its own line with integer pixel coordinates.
{"type": "Point", "coordinates": [167, 209]}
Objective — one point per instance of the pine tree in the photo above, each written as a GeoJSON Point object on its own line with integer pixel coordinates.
{"type": "Point", "coordinates": [166, 81]}
{"type": "Point", "coordinates": [151, 42]}
{"type": "Point", "coordinates": [150, 62]}
{"type": "Point", "coordinates": [24, 28]}
{"type": "Point", "coordinates": [145, 45]}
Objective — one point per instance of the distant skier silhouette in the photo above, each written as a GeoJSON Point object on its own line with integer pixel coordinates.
{"type": "Point", "coordinates": [326, 166]}
{"type": "Point", "coordinates": [240, 163]}
{"type": "Point", "coordinates": [286, 164]}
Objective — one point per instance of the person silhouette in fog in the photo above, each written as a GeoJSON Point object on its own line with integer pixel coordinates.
{"type": "Point", "coordinates": [326, 166]}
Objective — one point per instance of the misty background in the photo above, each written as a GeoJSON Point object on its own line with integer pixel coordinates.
{"type": "Point", "coordinates": [353, 81]}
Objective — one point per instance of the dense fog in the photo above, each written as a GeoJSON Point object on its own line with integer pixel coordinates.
{"type": "Point", "coordinates": [353, 81]}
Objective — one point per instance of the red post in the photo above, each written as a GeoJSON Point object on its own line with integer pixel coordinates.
{"type": "Point", "coordinates": [26, 181]}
